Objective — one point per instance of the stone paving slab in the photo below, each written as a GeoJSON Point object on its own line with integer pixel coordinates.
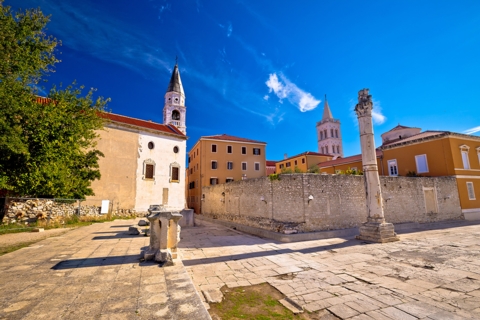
{"type": "Point", "coordinates": [94, 272]}
{"type": "Point", "coordinates": [430, 274]}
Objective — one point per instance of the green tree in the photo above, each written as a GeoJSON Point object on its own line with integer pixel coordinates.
{"type": "Point", "coordinates": [47, 145]}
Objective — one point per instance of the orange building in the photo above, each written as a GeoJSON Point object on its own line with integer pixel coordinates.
{"type": "Point", "coordinates": [302, 161]}
{"type": "Point", "coordinates": [222, 159]}
{"type": "Point", "coordinates": [406, 151]}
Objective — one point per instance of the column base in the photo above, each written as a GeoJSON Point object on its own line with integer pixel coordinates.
{"type": "Point", "coordinates": [377, 232]}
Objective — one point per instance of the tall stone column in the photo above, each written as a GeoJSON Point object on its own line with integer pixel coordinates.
{"type": "Point", "coordinates": [375, 229]}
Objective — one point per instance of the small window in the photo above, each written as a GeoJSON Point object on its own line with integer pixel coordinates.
{"type": "Point", "coordinates": [214, 165]}
{"type": "Point", "coordinates": [466, 163]}
{"type": "Point", "coordinates": [228, 180]}
{"type": "Point", "coordinates": [244, 166]}
{"type": "Point", "coordinates": [197, 152]}
{"type": "Point", "coordinates": [325, 133]}
{"type": "Point", "coordinates": [149, 171]}
{"type": "Point", "coordinates": [214, 148]}
{"type": "Point", "coordinates": [338, 149]}
{"type": "Point", "coordinates": [321, 135]}
{"type": "Point", "coordinates": [296, 162]}
{"type": "Point", "coordinates": [421, 161]}
{"type": "Point", "coordinates": [471, 191]}
{"type": "Point", "coordinates": [244, 150]}
{"type": "Point", "coordinates": [392, 168]}
{"type": "Point", "coordinates": [191, 170]}
{"type": "Point", "coordinates": [281, 166]}
{"type": "Point", "coordinates": [229, 149]}
{"type": "Point", "coordinates": [175, 149]}
{"type": "Point", "coordinates": [323, 150]}
{"type": "Point", "coordinates": [303, 160]}
{"type": "Point", "coordinates": [213, 181]}
{"type": "Point", "coordinates": [175, 173]}
{"type": "Point", "coordinates": [229, 165]}
{"type": "Point", "coordinates": [336, 133]}
{"type": "Point", "coordinates": [151, 145]}
{"type": "Point", "coordinates": [331, 133]}
{"type": "Point", "coordinates": [257, 166]}
{"type": "Point", "coordinates": [256, 151]}
{"type": "Point", "coordinates": [288, 164]}
{"type": "Point", "coordinates": [189, 159]}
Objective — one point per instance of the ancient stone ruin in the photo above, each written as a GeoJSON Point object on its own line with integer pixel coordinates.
{"type": "Point", "coordinates": [376, 229]}
{"type": "Point", "coordinates": [164, 235]}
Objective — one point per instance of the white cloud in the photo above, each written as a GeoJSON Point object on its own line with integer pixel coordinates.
{"type": "Point", "coordinates": [284, 88]}
{"type": "Point", "coordinates": [266, 97]}
{"type": "Point", "coordinates": [472, 130]}
{"type": "Point", "coordinates": [378, 117]}
{"type": "Point", "coordinates": [229, 28]}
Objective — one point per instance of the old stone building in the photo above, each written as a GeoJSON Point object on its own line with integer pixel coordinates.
{"type": "Point", "coordinates": [144, 161]}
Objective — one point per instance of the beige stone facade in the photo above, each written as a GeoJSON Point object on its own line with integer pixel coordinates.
{"type": "Point", "coordinates": [222, 159]}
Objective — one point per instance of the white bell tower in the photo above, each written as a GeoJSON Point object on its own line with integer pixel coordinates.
{"type": "Point", "coordinates": [174, 110]}
{"type": "Point", "coordinates": [329, 134]}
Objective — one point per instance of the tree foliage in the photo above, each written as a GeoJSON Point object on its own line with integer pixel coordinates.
{"type": "Point", "coordinates": [47, 145]}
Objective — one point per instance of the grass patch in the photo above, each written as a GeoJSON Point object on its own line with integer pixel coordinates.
{"type": "Point", "coordinates": [258, 302]}
{"type": "Point", "coordinates": [8, 249]}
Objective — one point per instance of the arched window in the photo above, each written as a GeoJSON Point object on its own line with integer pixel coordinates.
{"type": "Point", "coordinates": [336, 133]}
{"type": "Point", "coordinates": [321, 135]}
{"type": "Point", "coordinates": [338, 149]}
{"type": "Point", "coordinates": [175, 115]}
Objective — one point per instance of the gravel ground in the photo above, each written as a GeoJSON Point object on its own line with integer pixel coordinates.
{"type": "Point", "coordinates": [22, 237]}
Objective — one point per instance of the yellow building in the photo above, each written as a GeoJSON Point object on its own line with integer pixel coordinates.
{"type": "Point", "coordinates": [221, 159]}
{"type": "Point", "coordinates": [302, 161]}
{"type": "Point", "coordinates": [406, 151]}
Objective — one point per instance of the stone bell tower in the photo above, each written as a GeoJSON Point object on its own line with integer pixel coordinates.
{"type": "Point", "coordinates": [174, 110]}
{"type": "Point", "coordinates": [328, 133]}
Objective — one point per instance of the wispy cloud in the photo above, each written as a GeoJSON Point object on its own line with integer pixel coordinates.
{"type": "Point", "coordinates": [472, 130]}
{"type": "Point", "coordinates": [285, 89]}
{"type": "Point", "coordinates": [266, 97]}
{"type": "Point", "coordinates": [228, 27]}
{"type": "Point", "coordinates": [378, 117]}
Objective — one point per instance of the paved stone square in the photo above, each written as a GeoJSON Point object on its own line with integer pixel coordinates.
{"type": "Point", "coordinates": [94, 272]}
{"type": "Point", "coordinates": [432, 274]}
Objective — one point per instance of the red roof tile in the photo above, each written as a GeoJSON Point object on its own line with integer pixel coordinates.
{"type": "Point", "coordinates": [346, 160]}
{"type": "Point", "coordinates": [142, 123]}
{"type": "Point", "coordinates": [270, 163]}
{"type": "Point", "coordinates": [231, 138]}
{"type": "Point", "coordinates": [307, 153]}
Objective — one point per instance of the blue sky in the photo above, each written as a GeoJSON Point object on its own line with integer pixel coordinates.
{"type": "Point", "coordinates": [260, 69]}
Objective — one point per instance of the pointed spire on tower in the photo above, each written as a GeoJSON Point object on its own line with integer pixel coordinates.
{"type": "Point", "coordinates": [175, 81]}
{"type": "Point", "coordinates": [327, 114]}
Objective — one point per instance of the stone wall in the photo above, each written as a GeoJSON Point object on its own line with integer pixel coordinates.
{"type": "Point", "coordinates": [31, 210]}
{"type": "Point", "coordinates": [338, 201]}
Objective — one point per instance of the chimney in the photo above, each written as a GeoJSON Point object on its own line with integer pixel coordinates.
{"type": "Point", "coordinates": [285, 156]}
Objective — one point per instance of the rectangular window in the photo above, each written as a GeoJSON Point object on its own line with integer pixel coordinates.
{"type": "Point", "coordinates": [192, 185]}
{"type": "Point", "coordinates": [214, 165]}
{"type": "Point", "coordinates": [325, 133]}
{"type": "Point", "coordinates": [296, 162]}
{"type": "Point", "coordinates": [338, 149]}
{"type": "Point", "coordinates": [244, 150]}
{"type": "Point", "coordinates": [229, 149]}
{"type": "Point", "coordinates": [213, 181]}
{"type": "Point", "coordinates": [392, 168]}
{"type": "Point", "coordinates": [336, 133]}
{"type": "Point", "coordinates": [257, 166]}
{"type": "Point", "coordinates": [471, 191]}
{"type": "Point", "coordinates": [175, 174]}
{"type": "Point", "coordinates": [288, 164]}
{"type": "Point", "coordinates": [256, 151]}
{"type": "Point", "coordinates": [331, 133]}
{"type": "Point", "coordinates": [214, 148]}
{"type": "Point", "coordinates": [422, 165]}
{"type": "Point", "coordinates": [197, 152]}
{"type": "Point", "coordinates": [303, 160]}
{"type": "Point", "coordinates": [281, 166]}
{"type": "Point", "coordinates": [466, 163]}
{"type": "Point", "coordinates": [189, 159]}
{"type": "Point", "coordinates": [229, 165]}
{"type": "Point", "coordinates": [244, 166]}
{"type": "Point", "coordinates": [149, 171]}
{"type": "Point", "coordinates": [228, 180]}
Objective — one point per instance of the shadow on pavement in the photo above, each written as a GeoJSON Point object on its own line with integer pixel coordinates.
{"type": "Point", "coordinates": [99, 261]}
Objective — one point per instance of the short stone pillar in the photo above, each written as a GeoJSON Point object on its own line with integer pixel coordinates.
{"type": "Point", "coordinates": [375, 229]}
{"type": "Point", "coordinates": [164, 235]}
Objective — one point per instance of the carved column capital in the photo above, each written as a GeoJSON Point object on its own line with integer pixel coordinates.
{"type": "Point", "coordinates": [365, 105]}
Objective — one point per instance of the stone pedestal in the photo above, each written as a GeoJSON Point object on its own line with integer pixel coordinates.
{"type": "Point", "coordinates": [375, 229]}
{"type": "Point", "coordinates": [164, 235]}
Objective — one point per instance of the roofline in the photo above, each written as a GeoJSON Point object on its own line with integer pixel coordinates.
{"type": "Point", "coordinates": [440, 135]}
{"type": "Point", "coordinates": [248, 142]}
{"type": "Point", "coordinates": [305, 154]}
{"type": "Point", "coordinates": [378, 154]}
{"type": "Point", "coordinates": [177, 133]}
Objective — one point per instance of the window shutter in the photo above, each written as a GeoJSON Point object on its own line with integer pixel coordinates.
{"type": "Point", "coordinates": [175, 174]}
{"type": "Point", "coordinates": [149, 171]}
{"type": "Point", "coordinates": [471, 191]}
